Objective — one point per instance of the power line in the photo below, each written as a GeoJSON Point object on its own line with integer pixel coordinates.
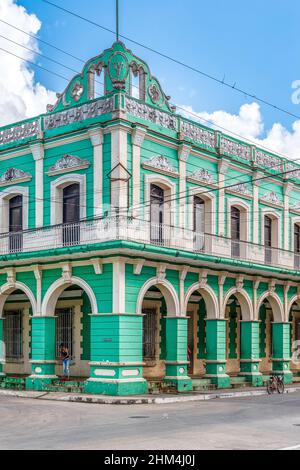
{"type": "Point", "coordinates": [178, 62]}
{"type": "Point", "coordinates": [239, 136]}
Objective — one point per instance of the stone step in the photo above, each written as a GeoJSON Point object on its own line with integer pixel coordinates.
{"type": "Point", "coordinates": [12, 383]}
{"type": "Point", "coordinates": [62, 388]}
{"type": "Point", "coordinates": [237, 380]}
{"type": "Point", "coordinates": [236, 385]}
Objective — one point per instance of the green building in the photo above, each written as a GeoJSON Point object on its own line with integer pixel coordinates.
{"type": "Point", "coordinates": [157, 249]}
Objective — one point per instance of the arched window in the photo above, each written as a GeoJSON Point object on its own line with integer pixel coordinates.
{"type": "Point", "coordinates": [235, 232]}
{"type": "Point", "coordinates": [15, 224]}
{"type": "Point", "coordinates": [268, 239]}
{"type": "Point", "coordinates": [157, 198]}
{"type": "Point", "coordinates": [199, 223]}
{"type": "Point", "coordinates": [137, 82]}
{"type": "Point", "coordinates": [96, 81]}
{"type": "Point", "coordinates": [71, 214]}
{"type": "Point", "coordinates": [297, 245]}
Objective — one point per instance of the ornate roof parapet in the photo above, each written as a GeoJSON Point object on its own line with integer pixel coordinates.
{"type": "Point", "coordinates": [162, 165]}
{"type": "Point", "coordinates": [143, 111]}
{"type": "Point", "coordinates": [197, 134]}
{"type": "Point", "coordinates": [68, 163]}
{"type": "Point", "coordinates": [271, 162]}
{"type": "Point", "coordinates": [271, 198]}
{"type": "Point", "coordinates": [233, 148]}
{"type": "Point", "coordinates": [20, 132]}
{"type": "Point", "coordinates": [201, 176]}
{"type": "Point", "coordinates": [13, 176]}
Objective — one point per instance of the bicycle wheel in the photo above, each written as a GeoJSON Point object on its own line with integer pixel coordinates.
{"type": "Point", "coordinates": [280, 387]}
{"type": "Point", "coordinates": [270, 387]}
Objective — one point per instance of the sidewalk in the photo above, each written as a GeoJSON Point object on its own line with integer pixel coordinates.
{"type": "Point", "coordinates": [145, 399]}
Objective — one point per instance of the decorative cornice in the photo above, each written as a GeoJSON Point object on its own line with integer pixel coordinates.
{"type": "Point", "coordinates": [201, 176]}
{"type": "Point", "coordinates": [81, 113]}
{"type": "Point", "coordinates": [271, 198]}
{"type": "Point", "coordinates": [68, 163]}
{"type": "Point", "coordinates": [240, 188]}
{"type": "Point", "coordinates": [161, 164]}
{"type": "Point", "coordinates": [12, 176]}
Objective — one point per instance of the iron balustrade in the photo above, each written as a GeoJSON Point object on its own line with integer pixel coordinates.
{"type": "Point", "coordinates": [112, 228]}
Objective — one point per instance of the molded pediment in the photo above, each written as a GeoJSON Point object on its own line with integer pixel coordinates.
{"type": "Point", "coordinates": [115, 69]}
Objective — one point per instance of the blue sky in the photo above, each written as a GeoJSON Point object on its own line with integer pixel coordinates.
{"type": "Point", "coordinates": [251, 43]}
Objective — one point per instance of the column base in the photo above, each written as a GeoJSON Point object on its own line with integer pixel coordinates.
{"type": "Point", "coordinates": [250, 371]}
{"type": "Point", "coordinates": [176, 375]}
{"type": "Point", "coordinates": [282, 367]}
{"type": "Point", "coordinates": [116, 387]}
{"type": "Point", "coordinates": [216, 372]}
{"type": "Point", "coordinates": [37, 382]}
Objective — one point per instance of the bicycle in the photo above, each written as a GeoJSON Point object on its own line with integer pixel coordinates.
{"type": "Point", "coordinates": [275, 384]}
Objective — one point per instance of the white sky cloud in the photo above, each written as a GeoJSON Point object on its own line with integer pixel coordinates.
{"type": "Point", "coordinates": [21, 96]}
{"type": "Point", "coordinates": [248, 123]}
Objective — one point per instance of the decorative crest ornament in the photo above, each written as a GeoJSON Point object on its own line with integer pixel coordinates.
{"type": "Point", "coordinates": [202, 176]}
{"type": "Point", "coordinates": [271, 198]}
{"type": "Point", "coordinates": [68, 163]}
{"type": "Point", "coordinates": [161, 164]}
{"type": "Point", "coordinates": [12, 175]}
{"type": "Point", "coordinates": [296, 206]}
{"type": "Point", "coordinates": [240, 188]}
{"type": "Point", "coordinates": [154, 93]}
{"type": "Point", "coordinates": [77, 91]}
{"type": "Point", "coordinates": [118, 69]}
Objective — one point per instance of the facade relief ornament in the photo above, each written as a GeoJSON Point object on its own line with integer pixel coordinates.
{"type": "Point", "coordinates": [142, 111]}
{"type": "Point", "coordinates": [269, 161]}
{"type": "Point", "coordinates": [20, 132]}
{"type": "Point", "coordinates": [68, 163]}
{"type": "Point", "coordinates": [12, 176]}
{"type": "Point", "coordinates": [161, 164]}
{"type": "Point", "coordinates": [77, 91]}
{"type": "Point", "coordinates": [236, 149]}
{"type": "Point", "coordinates": [81, 113]}
{"type": "Point", "coordinates": [271, 198]}
{"type": "Point", "coordinates": [197, 134]}
{"type": "Point", "coordinates": [295, 207]}
{"type": "Point", "coordinates": [240, 188]}
{"type": "Point", "coordinates": [154, 93]}
{"type": "Point", "coordinates": [201, 176]}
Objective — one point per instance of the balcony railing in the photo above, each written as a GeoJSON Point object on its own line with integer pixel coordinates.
{"type": "Point", "coordinates": [90, 232]}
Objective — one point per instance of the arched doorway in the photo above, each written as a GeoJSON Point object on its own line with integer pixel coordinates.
{"type": "Point", "coordinates": [233, 315]}
{"type": "Point", "coordinates": [72, 304]}
{"type": "Point", "coordinates": [17, 305]}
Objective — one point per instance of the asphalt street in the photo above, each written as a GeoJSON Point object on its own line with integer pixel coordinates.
{"type": "Point", "coordinates": [240, 423]}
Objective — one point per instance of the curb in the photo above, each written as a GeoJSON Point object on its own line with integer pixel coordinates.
{"type": "Point", "coordinates": [101, 400]}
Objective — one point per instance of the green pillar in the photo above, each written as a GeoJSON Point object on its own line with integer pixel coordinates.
{"type": "Point", "coordinates": [116, 366]}
{"type": "Point", "coordinates": [43, 358]}
{"type": "Point", "coordinates": [216, 353]}
{"type": "Point", "coordinates": [176, 353]}
{"type": "Point", "coordinates": [281, 355]}
{"type": "Point", "coordinates": [2, 348]}
{"type": "Point", "coordinates": [250, 352]}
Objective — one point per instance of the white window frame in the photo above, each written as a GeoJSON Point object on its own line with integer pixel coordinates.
{"type": "Point", "coordinates": [5, 197]}
{"type": "Point", "coordinates": [210, 209]}
{"type": "Point", "coordinates": [276, 227]}
{"type": "Point", "coordinates": [170, 194]}
{"type": "Point", "coordinates": [57, 187]}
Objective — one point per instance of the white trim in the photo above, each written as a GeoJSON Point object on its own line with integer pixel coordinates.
{"type": "Point", "coordinates": [118, 287]}
{"type": "Point", "coordinates": [210, 299]}
{"type": "Point", "coordinates": [244, 301]}
{"type": "Point", "coordinates": [294, 221]}
{"type": "Point", "coordinates": [168, 291]}
{"type": "Point", "coordinates": [8, 288]}
{"type": "Point", "coordinates": [276, 305]}
{"type": "Point", "coordinates": [5, 196]}
{"type": "Point", "coordinates": [56, 196]}
{"type": "Point", "coordinates": [210, 208]}
{"type": "Point", "coordinates": [52, 295]}
{"type": "Point", "coordinates": [245, 211]}
{"type": "Point", "coordinates": [276, 231]}
{"type": "Point", "coordinates": [170, 188]}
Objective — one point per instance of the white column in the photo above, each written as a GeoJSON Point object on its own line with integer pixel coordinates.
{"type": "Point", "coordinates": [138, 136]}
{"type": "Point", "coordinates": [38, 277]}
{"type": "Point", "coordinates": [119, 174]}
{"type": "Point", "coordinates": [118, 286]}
{"type": "Point", "coordinates": [38, 153]}
{"type": "Point", "coordinates": [183, 155]}
{"type": "Point", "coordinates": [256, 215]}
{"type": "Point", "coordinates": [223, 166]}
{"type": "Point", "coordinates": [96, 136]}
{"type": "Point", "coordinates": [286, 220]}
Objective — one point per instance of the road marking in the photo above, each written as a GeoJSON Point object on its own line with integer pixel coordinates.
{"type": "Point", "coordinates": [291, 448]}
